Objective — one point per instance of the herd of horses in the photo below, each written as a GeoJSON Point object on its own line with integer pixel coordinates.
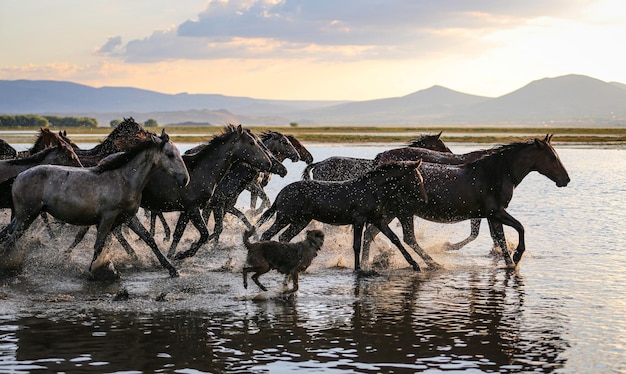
{"type": "Point", "coordinates": [133, 168]}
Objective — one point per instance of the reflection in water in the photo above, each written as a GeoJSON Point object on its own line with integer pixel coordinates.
{"type": "Point", "coordinates": [398, 321]}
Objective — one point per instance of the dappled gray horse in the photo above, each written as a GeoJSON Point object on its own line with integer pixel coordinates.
{"type": "Point", "coordinates": [106, 195]}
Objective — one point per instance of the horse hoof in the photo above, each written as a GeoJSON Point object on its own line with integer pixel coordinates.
{"type": "Point", "coordinates": [174, 273]}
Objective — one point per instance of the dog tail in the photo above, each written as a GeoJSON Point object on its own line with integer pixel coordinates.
{"type": "Point", "coordinates": [246, 236]}
{"type": "Point", "coordinates": [266, 215]}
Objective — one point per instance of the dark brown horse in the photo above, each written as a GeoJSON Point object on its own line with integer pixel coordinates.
{"type": "Point", "coordinates": [123, 138]}
{"type": "Point", "coordinates": [479, 189]}
{"type": "Point", "coordinates": [353, 202]}
{"type": "Point", "coordinates": [339, 168]}
{"type": "Point", "coordinates": [106, 195]}
{"type": "Point", "coordinates": [206, 167]}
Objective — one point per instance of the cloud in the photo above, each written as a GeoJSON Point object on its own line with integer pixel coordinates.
{"type": "Point", "coordinates": [334, 29]}
{"type": "Point", "coordinates": [112, 46]}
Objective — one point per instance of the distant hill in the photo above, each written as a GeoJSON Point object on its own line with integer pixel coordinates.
{"type": "Point", "coordinates": [570, 99]}
{"type": "Point", "coordinates": [432, 104]}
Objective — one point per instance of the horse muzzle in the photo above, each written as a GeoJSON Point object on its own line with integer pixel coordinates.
{"type": "Point", "coordinates": [562, 182]}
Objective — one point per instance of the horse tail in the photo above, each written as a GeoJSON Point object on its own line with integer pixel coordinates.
{"type": "Point", "coordinates": [266, 215]}
{"type": "Point", "coordinates": [246, 236]}
{"type": "Point", "coordinates": [306, 173]}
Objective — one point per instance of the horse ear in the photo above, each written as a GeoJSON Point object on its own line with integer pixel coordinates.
{"type": "Point", "coordinates": [439, 135]}
{"type": "Point", "coordinates": [164, 137]}
{"type": "Point", "coordinates": [548, 138]}
{"type": "Point", "coordinates": [239, 129]}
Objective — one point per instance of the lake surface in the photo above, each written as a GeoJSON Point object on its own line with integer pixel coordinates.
{"type": "Point", "coordinates": [563, 310]}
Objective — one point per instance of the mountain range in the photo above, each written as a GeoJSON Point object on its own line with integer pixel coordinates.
{"type": "Point", "coordinates": [565, 100]}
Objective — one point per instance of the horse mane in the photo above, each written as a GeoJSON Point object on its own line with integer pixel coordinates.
{"type": "Point", "coordinates": [191, 159]}
{"type": "Point", "coordinates": [417, 142]}
{"type": "Point", "coordinates": [117, 160]}
{"type": "Point", "coordinates": [266, 135]}
{"type": "Point", "coordinates": [498, 162]}
{"type": "Point", "coordinates": [40, 138]}
{"type": "Point", "coordinates": [124, 136]}
{"type": "Point", "coordinates": [382, 168]}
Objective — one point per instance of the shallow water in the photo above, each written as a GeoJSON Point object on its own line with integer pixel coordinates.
{"type": "Point", "coordinates": [563, 310]}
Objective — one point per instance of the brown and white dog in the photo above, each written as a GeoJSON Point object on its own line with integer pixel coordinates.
{"type": "Point", "coordinates": [287, 258]}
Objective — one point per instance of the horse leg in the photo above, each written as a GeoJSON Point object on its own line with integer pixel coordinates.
{"type": "Point", "coordinates": [181, 224]}
{"type": "Point", "coordinates": [386, 230]}
{"type": "Point", "coordinates": [475, 229]}
{"type": "Point", "coordinates": [166, 227]}
{"type": "Point", "coordinates": [257, 191]}
{"type": "Point", "coordinates": [274, 229]}
{"type": "Point", "coordinates": [196, 218]}
{"type": "Point", "coordinates": [370, 234]}
{"type": "Point", "coordinates": [239, 214]}
{"type": "Point", "coordinates": [218, 218]}
{"type": "Point", "coordinates": [16, 229]}
{"type": "Point", "coordinates": [44, 217]}
{"type": "Point", "coordinates": [294, 229]}
{"type": "Point", "coordinates": [357, 237]}
{"type": "Point", "coordinates": [408, 235]}
{"type": "Point", "coordinates": [80, 235]}
{"type": "Point", "coordinates": [117, 232]}
{"type": "Point", "coordinates": [508, 220]}
{"type": "Point", "coordinates": [104, 228]}
{"type": "Point", "coordinates": [497, 233]}
{"type": "Point", "coordinates": [141, 231]}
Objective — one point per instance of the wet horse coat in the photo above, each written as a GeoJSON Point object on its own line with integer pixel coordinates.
{"type": "Point", "coordinates": [353, 202]}
{"type": "Point", "coordinates": [106, 195]}
{"type": "Point", "coordinates": [478, 189]}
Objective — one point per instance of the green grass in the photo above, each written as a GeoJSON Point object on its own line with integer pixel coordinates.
{"type": "Point", "coordinates": [365, 134]}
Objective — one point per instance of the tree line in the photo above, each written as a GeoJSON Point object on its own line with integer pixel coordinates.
{"type": "Point", "coordinates": [34, 120]}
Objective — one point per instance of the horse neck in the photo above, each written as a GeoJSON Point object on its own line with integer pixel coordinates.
{"type": "Point", "coordinates": [138, 170]}
{"type": "Point", "coordinates": [516, 161]}
{"type": "Point", "coordinates": [215, 161]}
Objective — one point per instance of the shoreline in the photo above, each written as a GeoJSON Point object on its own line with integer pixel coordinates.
{"type": "Point", "coordinates": [613, 136]}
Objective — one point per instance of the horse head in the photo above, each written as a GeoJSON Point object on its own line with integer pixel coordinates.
{"type": "Point", "coordinates": [172, 163]}
{"type": "Point", "coordinates": [548, 162]}
{"type": "Point", "coordinates": [304, 153]}
{"type": "Point", "coordinates": [248, 147]}
{"type": "Point", "coordinates": [280, 146]}
{"type": "Point", "coordinates": [432, 142]}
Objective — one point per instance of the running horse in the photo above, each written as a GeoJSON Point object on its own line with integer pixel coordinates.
{"type": "Point", "coordinates": [340, 168]}
{"type": "Point", "coordinates": [240, 176]}
{"type": "Point", "coordinates": [256, 188]}
{"type": "Point", "coordinates": [206, 167]}
{"type": "Point", "coordinates": [478, 189]}
{"type": "Point", "coordinates": [106, 195]}
{"type": "Point", "coordinates": [355, 202]}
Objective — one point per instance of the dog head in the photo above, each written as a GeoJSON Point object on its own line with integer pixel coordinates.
{"type": "Point", "coordinates": [316, 238]}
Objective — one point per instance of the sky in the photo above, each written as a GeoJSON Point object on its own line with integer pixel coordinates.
{"type": "Point", "coordinates": [312, 49]}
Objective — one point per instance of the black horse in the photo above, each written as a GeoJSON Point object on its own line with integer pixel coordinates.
{"type": "Point", "coordinates": [206, 168]}
{"type": "Point", "coordinates": [256, 187]}
{"type": "Point", "coordinates": [353, 202]}
{"type": "Point", "coordinates": [239, 177]}
{"type": "Point", "coordinates": [340, 168]}
{"type": "Point", "coordinates": [479, 189]}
